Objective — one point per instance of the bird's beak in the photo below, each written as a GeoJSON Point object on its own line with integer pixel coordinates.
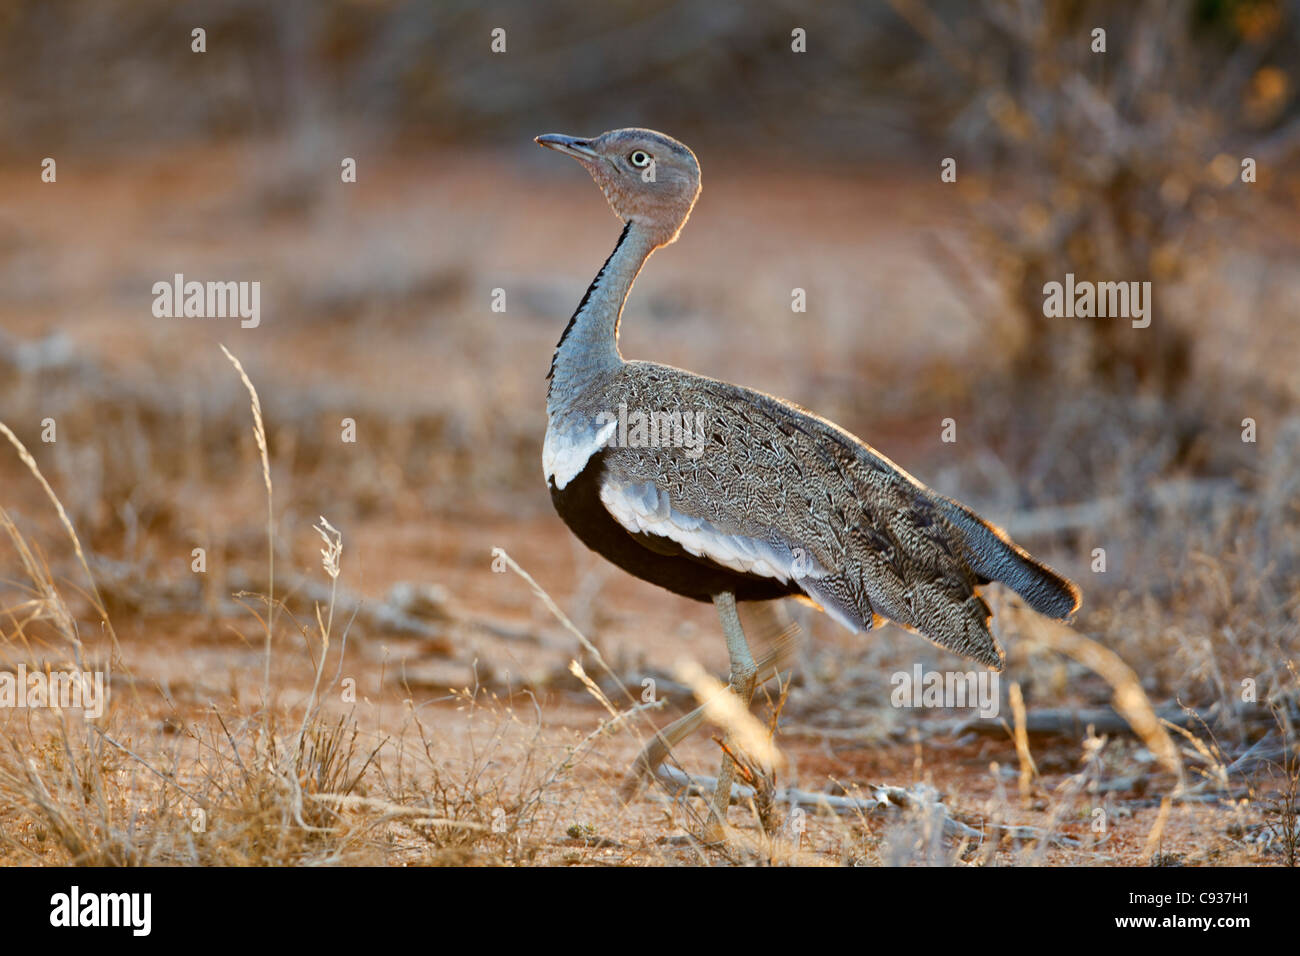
{"type": "Point", "coordinates": [570, 145]}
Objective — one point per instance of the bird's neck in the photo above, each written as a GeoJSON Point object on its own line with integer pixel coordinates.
{"type": "Point", "coordinates": [589, 345]}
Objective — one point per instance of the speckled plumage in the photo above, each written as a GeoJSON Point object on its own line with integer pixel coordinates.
{"type": "Point", "coordinates": [877, 542]}
{"type": "Point", "coordinates": [776, 500]}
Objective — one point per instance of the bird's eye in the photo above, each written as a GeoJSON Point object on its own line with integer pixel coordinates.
{"type": "Point", "coordinates": [639, 158]}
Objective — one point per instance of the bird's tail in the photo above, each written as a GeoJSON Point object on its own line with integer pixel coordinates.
{"type": "Point", "coordinates": [993, 555]}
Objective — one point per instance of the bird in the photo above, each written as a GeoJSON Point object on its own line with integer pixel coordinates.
{"type": "Point", "coordinates": [760, 499]}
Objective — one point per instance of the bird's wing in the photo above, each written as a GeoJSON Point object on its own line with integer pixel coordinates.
{"type": "Point", "coordinates": [771, 482]}
{"type": "Point", "coordinates": [644, 508]}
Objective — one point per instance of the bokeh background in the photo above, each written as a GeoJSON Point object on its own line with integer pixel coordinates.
{"type": "Point", "coordinates": [821, 171]}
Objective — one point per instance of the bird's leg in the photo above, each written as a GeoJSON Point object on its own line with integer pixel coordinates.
{"type": "Point", "coordinates": [743, 673]}
{"type": "Point", "coordinates": [782, 635]}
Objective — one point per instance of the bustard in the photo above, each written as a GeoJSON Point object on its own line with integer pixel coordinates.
{"type": "Point", "coordinates": [775, 501]}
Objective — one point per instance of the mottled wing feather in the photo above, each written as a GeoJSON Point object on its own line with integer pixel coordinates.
{"type": "Point", "coordinates": [646, 509]}
{"type": "Point", "coordinates": [774, 473]}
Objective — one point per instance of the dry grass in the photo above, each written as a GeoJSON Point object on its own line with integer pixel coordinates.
{"type": "Point", "coordinates": [236, 791]}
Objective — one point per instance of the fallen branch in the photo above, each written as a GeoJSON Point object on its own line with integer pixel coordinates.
{"type": "Point", "coordinates": [885, 798]}
{"type": "Point", "coordinates": [1074, 721]}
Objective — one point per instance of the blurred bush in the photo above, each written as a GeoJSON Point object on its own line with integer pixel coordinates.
{"type": "Point", "coordinates": [1113, 163]}
{"type": "Point", "coordinates": [122, 70]}
{"type": "Point", "coordinates": [991, 72]}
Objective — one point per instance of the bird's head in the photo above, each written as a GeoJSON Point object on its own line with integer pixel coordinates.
{"type": "Point", "coordinates": [649, 178]}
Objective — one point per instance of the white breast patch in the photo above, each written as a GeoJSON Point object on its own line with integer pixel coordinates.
{"type": "Point", "coordinates": [565, 452]}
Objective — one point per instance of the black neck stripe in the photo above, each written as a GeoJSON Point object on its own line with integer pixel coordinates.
{"type": "Point", "coordinates": [586, 297]}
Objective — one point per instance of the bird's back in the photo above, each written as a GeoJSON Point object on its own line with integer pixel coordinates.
{"type": "Point", "coordinates": [771, 487]}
